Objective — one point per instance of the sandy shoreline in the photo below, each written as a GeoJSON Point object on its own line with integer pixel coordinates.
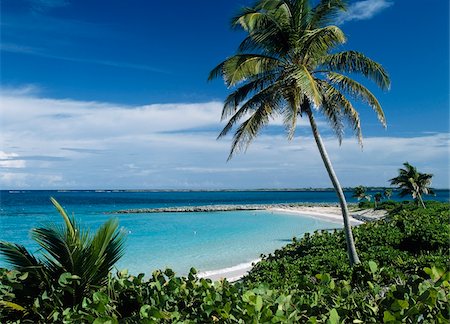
{"type": "Point", "coordinates": [328, 213]}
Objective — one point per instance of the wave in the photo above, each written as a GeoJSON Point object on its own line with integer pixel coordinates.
{"type": "Point", "coordinates": [231, 273]}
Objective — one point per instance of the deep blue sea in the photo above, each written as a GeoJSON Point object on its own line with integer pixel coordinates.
{"type": "Point", "coordinates": [206, 241]}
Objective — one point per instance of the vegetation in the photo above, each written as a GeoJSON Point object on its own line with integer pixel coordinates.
{"type": "Point", "coordinates": [289, 66]}
{"type": "Point", "coordinates": [308, 281]}
{"type": "Point", "coordinates": [406, 241]}
{"type": "Point", "coordinates": [72, 261]}
{"type": "Point", "coordinates": [412, 182]}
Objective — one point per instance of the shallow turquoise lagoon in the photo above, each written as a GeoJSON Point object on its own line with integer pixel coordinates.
{"type": "Point", "coordinates": [206, 241]}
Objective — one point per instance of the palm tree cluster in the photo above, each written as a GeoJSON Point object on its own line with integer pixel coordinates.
{"type": "Point", "coordinates": [69, 249]}
{"type": "Point", "coordinates": [412, 182]}
{"type": "Point", "coordinates": [288, 65]}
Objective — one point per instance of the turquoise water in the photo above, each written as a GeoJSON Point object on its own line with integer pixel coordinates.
{"type": "Point", "coordinates": [206, 241]}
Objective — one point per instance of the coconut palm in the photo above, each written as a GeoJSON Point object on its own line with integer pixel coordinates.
{"type": "Point", "coordinates": [68, 249]}
{"type": "Point", "coordinates": [288, 65]}
{"type": "Point", "coordinates": [360, 193]}
{"type": "Point", "coordinates": [387, 193]}
{"type": "Point", "coordinates": [377, 198]}
{"type": "Point", "coordinates": [411, 182]}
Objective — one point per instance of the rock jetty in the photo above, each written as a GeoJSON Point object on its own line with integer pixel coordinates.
{"type": "Point", "coordinates": [214, 208]}
{"type": "Point", "coordinates": [192, 209]}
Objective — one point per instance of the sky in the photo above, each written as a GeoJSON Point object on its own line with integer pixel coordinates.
{"type": "Point", "coordinates": [114, 95]}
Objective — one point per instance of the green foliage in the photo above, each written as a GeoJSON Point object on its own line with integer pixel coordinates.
{"type": "Point", "coordinates": [407, 240]}
{"type": "Point", "coordinates": [165, 298]}
{"type": "Point", "coordinates": [70, 264]}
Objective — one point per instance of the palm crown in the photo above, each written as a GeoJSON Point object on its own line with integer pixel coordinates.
{"type": "Point", "coordinates": [69, 249]}
{"type": "Point", "coordinates": [411, 182]}
{"type": "Point", "coordinates": [288, 64]}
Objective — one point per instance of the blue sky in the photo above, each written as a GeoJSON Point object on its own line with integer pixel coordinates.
{"type": "Point", "coordinates": [113, 94]}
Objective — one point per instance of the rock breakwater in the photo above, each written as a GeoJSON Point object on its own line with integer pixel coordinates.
{"type": "Point", "coordinates": [212, 208]}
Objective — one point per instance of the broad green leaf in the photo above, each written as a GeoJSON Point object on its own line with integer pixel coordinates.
{"type": "Point", "coordinates": [334, 317]}
{"type": "Point", "coordinates": [373, 267]}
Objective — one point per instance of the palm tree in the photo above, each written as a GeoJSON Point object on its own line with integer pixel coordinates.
{"type": "Point", "coordinates": [411, 182]}
{"type": "Point", "coordinates": [377, 198]}
{"type": "Point", "coordinates": [69, 249]}
{"type": "Point", "coordinates": [387, 193]}
{"type": "Point", "coordinates": [360, 193]}
{"type": "Point", "coordinates": [288, 66]}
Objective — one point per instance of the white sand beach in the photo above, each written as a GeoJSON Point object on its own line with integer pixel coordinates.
{"type": "Point", "coordinates": [329, 213]}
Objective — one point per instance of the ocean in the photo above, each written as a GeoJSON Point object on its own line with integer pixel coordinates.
{"type": "Point", "coordinates": [208, 241]}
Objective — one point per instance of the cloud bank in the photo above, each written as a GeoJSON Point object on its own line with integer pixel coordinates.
{"type": "Point", "coordinates": [68, 144]}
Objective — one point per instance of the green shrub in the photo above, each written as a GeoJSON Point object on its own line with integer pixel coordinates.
{"type": "Point", "coordinates": [409, 239]}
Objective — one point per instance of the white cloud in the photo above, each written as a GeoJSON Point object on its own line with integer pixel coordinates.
{"type": "Point", "coordinates": [69, 144]}
{"type": "Point", "coordinates": [9, 160]}
{"type": "Point", "coordinates": [363, 10]}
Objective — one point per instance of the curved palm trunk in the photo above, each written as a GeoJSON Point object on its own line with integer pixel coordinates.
{"type": "Point", "coordinates": [352, 254]}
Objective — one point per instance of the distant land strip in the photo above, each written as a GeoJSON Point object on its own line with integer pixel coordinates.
{"type": "Point", "coordinates": [214, 208]}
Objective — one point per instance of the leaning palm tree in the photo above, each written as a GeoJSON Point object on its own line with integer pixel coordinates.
{"type": "Point", "coordinates": [411, 182]}
{"type": "Point", "coordinates": [68, 249]}
{"type": "Point", "coordinates": [288, 66]}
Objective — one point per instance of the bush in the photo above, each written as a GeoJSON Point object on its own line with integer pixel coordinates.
{"type": "Point", "coordinates": [407, 240]}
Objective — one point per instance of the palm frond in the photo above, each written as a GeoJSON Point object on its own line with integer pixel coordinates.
{"type": "Point", "coordinates": [265, 24]}
{"type": "Point", "coordinates": [235, 98]}
{"type": "Point", "coordinates": [306, 83]}
{"type": "Point", "coordinates": [291, 111]}
{"type": "Point", "coordinates": [314, 43]}
{"type": "Point", "coordinates": [325, 12]}
{"type": "Point", "coordinates": [301, 14]}
{"type": "Point", "coordinates": [358, 91]}
{"type": "Point", "coordinates": [57, 250]}
{"type": "Point", "coordinates": [261, 98]}
{"type": "Point", "coordinates": [241, 67]}
{"type": "Point", "coordinates": [355, 62]}
{"type": "Point", "coordinates": [333, 111]}
{"type": "Point", "coordinates": [334, 99]}
{"type": "Point", "coordinates": [250, 128]}
{"type": "Point", "coordinates": [104, 250]}
{"type": "Point", "coordinates": [18, 256]}
{"type": "Point", "coordinates": [67, 220]}
{"type": "Point", "coordinates": [216, 72]}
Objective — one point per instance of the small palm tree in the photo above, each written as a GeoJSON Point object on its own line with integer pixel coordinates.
{"type": "Point", "coordinates": [69, 249]}
{"type": "Point", "coordinates": [288, 66]}
{"type": "Point", "coordinates": [377, 198]}
{"type": "Point", "coordinates": [411, 182]}
{"type": "Point", "coordinates": [387, 193]}
{"type": "Point", "coordinates": [360, 193]}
